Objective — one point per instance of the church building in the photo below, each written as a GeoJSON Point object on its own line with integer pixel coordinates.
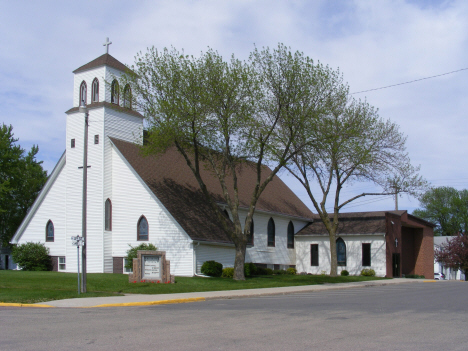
{"type": "Point", "coordinates": [132, 199]}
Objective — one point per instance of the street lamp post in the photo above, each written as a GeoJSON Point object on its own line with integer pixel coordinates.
{"type": "Point", "coordinates": [84, 110]}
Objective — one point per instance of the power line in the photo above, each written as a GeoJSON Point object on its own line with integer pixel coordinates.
{"type": "Point", "coordinates": [411, 81]}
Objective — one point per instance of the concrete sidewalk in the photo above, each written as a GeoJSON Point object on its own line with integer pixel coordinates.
{"type": "Point", "coordinates": [146, 300]}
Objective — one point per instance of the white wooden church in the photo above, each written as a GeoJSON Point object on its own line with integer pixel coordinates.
{"type": "Point", "coordinates": [133, 199]}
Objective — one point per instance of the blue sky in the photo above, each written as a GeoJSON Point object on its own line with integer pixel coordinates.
{"type": "Point", "coordinates": [373, 43]}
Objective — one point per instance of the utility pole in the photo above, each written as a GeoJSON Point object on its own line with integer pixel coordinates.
{"type": "Point", "coordinates": [84, 110]}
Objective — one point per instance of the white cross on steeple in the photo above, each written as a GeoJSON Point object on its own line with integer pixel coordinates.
{"type": "Point", "coordinates": [106, 44]}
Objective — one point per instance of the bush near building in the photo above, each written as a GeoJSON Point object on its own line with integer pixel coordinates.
{"type": "Point", "coordinates": [32, 257]}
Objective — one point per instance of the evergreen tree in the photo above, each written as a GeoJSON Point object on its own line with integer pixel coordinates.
{"type": "Point", "coordinates": [21, 179]}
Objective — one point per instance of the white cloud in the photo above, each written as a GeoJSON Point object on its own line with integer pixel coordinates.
{"type": "Point", "coordinates": [374, 43]}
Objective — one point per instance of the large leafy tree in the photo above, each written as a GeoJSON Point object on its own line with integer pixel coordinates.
{"type": "Point", "coordinates": [21, 179]}
{"type": "Point", "coordinates": [351, 144]}
{"type": "Point", "coordinates": [446, 207]}
{"type": "Point", "coordinates": [454, 253]}
{"type": "Point", "coordinates": [225, 115]}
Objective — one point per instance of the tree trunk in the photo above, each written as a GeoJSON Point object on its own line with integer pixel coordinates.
{"type": "Point", "coordinates": [241, 246]}
{"type": "Point", "coordinates": [333, 258]}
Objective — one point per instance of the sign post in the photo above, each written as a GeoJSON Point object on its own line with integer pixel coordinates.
{"type": "Point", "coordinates": [78, 241]}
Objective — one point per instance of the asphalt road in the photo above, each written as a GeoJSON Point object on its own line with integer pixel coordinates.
{"type": "Point", "coordinates": [426, 316]}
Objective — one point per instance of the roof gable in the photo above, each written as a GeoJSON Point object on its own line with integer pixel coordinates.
{"type": "Point", "coordinates": [103, 60]}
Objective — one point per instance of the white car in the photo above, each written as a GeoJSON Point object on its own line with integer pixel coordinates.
{"type": "Point", "coordinates": [439, 276]}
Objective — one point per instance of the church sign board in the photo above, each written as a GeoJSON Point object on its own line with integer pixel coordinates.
{"type": "Point", "coordinates": [151, 266]}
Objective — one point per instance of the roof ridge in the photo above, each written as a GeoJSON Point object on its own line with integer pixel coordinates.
{"type": "Point", "coordinates": [103, 60]}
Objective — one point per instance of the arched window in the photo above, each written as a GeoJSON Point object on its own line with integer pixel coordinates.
{"type": "Point", "coordinates": [50, 232]}
{"type": "Point", "coordinates": [290, 235]}
{"type": "Point", "coordinates": [115, 92]}
{"type": "Point", "coordinates": [250, 238]}
{"type": "Point", "coordinates": [83, 93]}
{"type": "Point", "coordinates": [95, 90]}
{"type": "Point", "coordinates": [341, 252]}
{"type": "Point", "coordinates": [142, 229]}
{"type": "Point", "coordinates": [127, 97]}
{"type": "Point", "coordinates": [271, 232]}
{"type": "Point", "coordinates": [108, 215]}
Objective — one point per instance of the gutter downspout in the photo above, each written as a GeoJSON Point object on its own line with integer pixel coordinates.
{"type": "Point", "coordinates": [195, 261]}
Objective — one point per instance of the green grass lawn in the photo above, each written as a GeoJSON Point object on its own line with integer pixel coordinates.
{"type": "Point", "coordinates": [32, 287]}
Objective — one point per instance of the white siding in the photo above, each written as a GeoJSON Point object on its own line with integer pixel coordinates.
{"type": "Point", "coordinates": [279, 254]}
{"type": "Point", "coordinates": [222, 254]}
{"type": "Point", "coordinates": [353, 254]}
{"type": "Point", "coordinates": [131, 199]}
{"type": "Point", "coordinates": [95, 181]}
{"type": "Point", "coordinates": [52, 208]}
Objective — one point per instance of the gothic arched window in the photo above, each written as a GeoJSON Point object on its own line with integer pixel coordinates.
{"type": "Point", "coordinates": [115, 92]}
{"type": "Point", "coordinates": [341, 252]}
{"type": "Point", "coordinates": [127, 97]}
{"type": "Point", "coordinates": [50, 231]}
{"type": "Point", "coordinates": [108, 215]}
{"type": "Point", "coordinates": [271, 232]}
{"type": "Point", "coordinates": [83, 94]}
{"type": "Point", "coordinates": [95, 91]}
{"type": "Point", "coordinates": [142, 229]}
{"type": "Point", "coordinates": [290, 235]}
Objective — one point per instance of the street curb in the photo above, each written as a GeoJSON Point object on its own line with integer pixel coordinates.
{"type": "Point", "coordinates": [312, 289]}
{"type": "Point", "coordinates": [149, 303]}
{"type": "Point", "coordinates": [234, 295]}
{"type": "Point", "coordinates": [11, 304]}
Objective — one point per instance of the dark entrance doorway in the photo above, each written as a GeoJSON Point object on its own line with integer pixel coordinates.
{"type": "Point", "coordinates": [396, 264]}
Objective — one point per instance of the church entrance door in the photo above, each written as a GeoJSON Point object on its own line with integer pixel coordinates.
{"type": "Point", "coordinates": [396, 264]}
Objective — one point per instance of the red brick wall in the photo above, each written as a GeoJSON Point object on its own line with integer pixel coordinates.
{"type": "Point", "coordinates": [54, 260]}
{"type": "Point", "coordinates": [117, 263]}
{"type": "Point", "coordinates": [423, 247]}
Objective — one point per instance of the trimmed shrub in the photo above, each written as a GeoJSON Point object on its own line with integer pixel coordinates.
{"type": "Point", "coordinates": [269, 271]}
{"type": "Point", "coordinates": [368, 272]}
{"type": "Point", "coordinates": [279, 272]}
{"type": "Point", "coordinates": [132, 252]}
{"type": "Point", "coordinates": [228, 272]}
{"type": "Point", "coordinates": [250, 269]}
{"type": "Point", "coordinates": [291, 271]}
{"type": "Point", "coordinates": [212, 269]}
{"type": "Point", "coordinates": [32, 257]}
{"type": "Point", "coordinates": [344, 273]}
{"type": "Point", "coordinates": [261, 271]}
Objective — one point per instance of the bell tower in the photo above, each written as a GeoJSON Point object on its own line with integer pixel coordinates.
{"type": "Point", "coordinates": [110, 116]}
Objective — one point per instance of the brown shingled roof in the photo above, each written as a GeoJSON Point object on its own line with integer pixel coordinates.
{"type": "Point", "coordinates": [106, 60]}
{"type": "Point", "coordinates": [170, 179]}
{"type": "Point", "coordinates": [351, 223]}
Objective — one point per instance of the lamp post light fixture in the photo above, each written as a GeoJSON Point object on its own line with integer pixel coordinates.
{"type": "Point", "coordinates": [84, 110]}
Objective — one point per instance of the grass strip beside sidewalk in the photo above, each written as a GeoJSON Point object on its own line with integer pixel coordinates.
{"type": "Point", "coordinates": [34, 287]}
